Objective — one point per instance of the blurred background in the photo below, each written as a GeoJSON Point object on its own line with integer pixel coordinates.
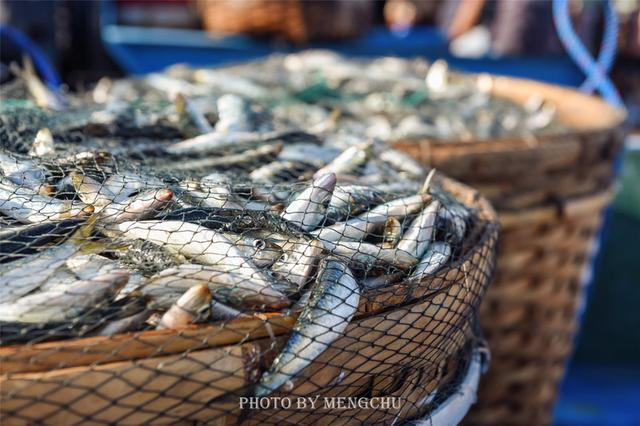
{"type": "Point", "coordinates": [81, 41]}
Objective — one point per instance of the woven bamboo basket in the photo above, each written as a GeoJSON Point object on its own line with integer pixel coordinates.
{"type": "Point", "coordinates": [405, 341]}
{"type": "Point", "coordinates": [293, 20]}
{"type": "Point", "coordinates": [550, 193]}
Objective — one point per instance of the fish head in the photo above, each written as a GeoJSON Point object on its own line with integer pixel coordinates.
{"type": "Point", "coordinates": [265, 253]}
{"type": "Point", "coordinates": [326, 182]}
{"type": "Point", "coordinates": [196, 299]}
{"type": "Point", "coordinates": [298, 261]}
{"type": "Point", "coordinates": [164, 194]}
{"type": "Point", "coordinates": [143, 204]}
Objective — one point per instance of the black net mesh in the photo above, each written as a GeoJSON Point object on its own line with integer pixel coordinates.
{"type": "Point", "coordinates": [171, 253]}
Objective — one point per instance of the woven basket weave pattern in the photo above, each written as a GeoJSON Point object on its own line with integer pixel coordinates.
{"type": "Point", "coordinates": [550, 194]}
{"type": "Point", "coordinates": [530, 314]}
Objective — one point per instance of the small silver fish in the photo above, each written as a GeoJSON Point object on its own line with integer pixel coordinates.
{"type": "Point", "coordinates": [298, 261]}
{"type": "Point", "coordinates": [24, 173]}
{"type": "Point", "coordinates": [350, 159]}
{"type": "Point", "coordinates": [166, 286]}
{"type": "Point", "coordinates": [436, 256]}
{"type": "Point", "coordinates": [276, 170]}
{"type": "Point", "coordinates": [230, 83]}
{"type": "Point", "coordinates": [220, 311]}
{"type": "Point", "coordinates": [331, 307]}
{"type": "Point", "coordinates": [262, 252]}
{"type": "Point", "coordinates": [308, 209]}
{"type": "Point", "coordinates": [267, 150]}
{"type": "Point", "coordinates": [199, 243]}
{"type": "Point", "coordinates": [308, 153]}
{"type": "Point", "coordinates": [27, 206]}
{"type": "Point", "coordinates": [437, 79]}
{"type": "Point", "coordinates": [350, 200]}
{"type": "Point", "coordinates": [59, 277]}
{"type": "Point", "coordinates": [369, 255]}
{"type": "Point", "coordinates": [89, 266]}
{"type": "Point", "coordinates": [400, 207]}
{"type": "Point", "coordinates": [207, 194]}
{"type": "Point", "coordinates": [172, 86]}
{"type": "Point", "coordinates": [91, 191]}
{"type": "Point", "coordinates": [139, 206]}
{"type": "Point", "coordinates": [455, 218]}
{"type": "Point", "coordinates": [124, 185]}
{"type": "Point", "coordinates": [380, 281]}
{"type": "Point", "coordinates": [215, 141]}
{"type": "Point", "coordinates": [63, 303]}
{"type": "Point", "coordinates": [234, 114]}
{"type": "Point", "coordinates": [122, 325]}
{"type": "Point", "coordinates": [29, 273]}
{"type": "Point", "coordinates": [187, 108]}
{"type": "Point", "coordinates": [403, 162]}
{"type": "Point", "coordinates": [355, 229]}
{"type": "Point", "coordinates": [359, 227]}
{"type": "Point", "coordinates": [420, 233]}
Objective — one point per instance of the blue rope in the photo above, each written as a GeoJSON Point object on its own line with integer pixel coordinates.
{"type": "Point", "coordinates": [42, 64]}
{"type": "Point", "coordinates": [595, 71]}
{"type": "Point", "coordinates": [607, 48]}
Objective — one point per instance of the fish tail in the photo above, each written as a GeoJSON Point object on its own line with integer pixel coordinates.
{"type": "Point", "coordinates": [85, 231]}
{"type": "Point", "coordinates": [82, 235]}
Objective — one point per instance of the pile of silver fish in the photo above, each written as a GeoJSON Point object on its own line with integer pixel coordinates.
{"type": "Point", "coordinates": [328, 94]}
{"type": "Point", "coordinates": [127, 215]}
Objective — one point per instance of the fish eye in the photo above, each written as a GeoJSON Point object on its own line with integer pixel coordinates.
{"type": "Point", "coordinates": [283, 258]}
{"type": "Point", "coordinates": [259, 244]}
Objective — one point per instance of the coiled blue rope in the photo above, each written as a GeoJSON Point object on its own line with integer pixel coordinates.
{"type": "Point", "coordinates": [596, 71]}
{"type": "Point", "coordinates": [40, 60]}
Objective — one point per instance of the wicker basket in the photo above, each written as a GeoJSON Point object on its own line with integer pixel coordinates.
{"type": "Point", "coordinates": [292, 20]}
{"type": "Point", "coordinates": [550, 194]}
{"type": "Point", "coordinates": [529, 316]}
{"type": "Point", "coordinates": [520, 173]}
{"type": "Point", "coordinates": [405, 341]}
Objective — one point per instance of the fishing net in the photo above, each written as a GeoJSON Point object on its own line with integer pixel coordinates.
{"type": "Point", "coordinates": [152, 272]}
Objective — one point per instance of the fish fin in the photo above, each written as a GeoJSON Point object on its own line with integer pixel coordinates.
{"type": "Point", "coordinates": [76, 179]}
{"type": "Point", "coordinates": [91, 247]}
{"type": "Point", "coordinates": [84, 232]}
{"type": "Point", "coordinates": [180, 104]}
{"type": "Point", "coordinates": [427, 182]}
{"type": "Point", "coordinates": [27, 66]}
